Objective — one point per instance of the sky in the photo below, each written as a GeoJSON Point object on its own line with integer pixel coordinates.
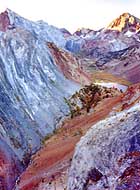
{"type": "Point", "coordinates": [73, 14]}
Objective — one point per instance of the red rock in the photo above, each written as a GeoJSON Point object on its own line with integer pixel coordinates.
{"type": "Point", "coordinates": [69, 64]}
{"type": "Point", "coordinates": [10, 167]}
{"type": "Point", "coordinates": [130, 178]}
{"type": "Point", "coordinates": [4, 21]}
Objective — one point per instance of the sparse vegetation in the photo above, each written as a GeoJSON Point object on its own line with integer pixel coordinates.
{"type": "Point", "coordinates": [48, 136]}
{"type": "Point", "coordinates": [88, 97]}
{"type": "Point", "coordinates": [78, 133]}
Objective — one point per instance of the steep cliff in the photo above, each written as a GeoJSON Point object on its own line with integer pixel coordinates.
{"type": "Point", "coordinates": [32, 89]}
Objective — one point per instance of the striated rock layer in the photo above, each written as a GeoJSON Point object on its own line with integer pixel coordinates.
{"type": "Point", "coordinates": [70, 65]}
{"type": "Point", "coordinates": [32, 90]}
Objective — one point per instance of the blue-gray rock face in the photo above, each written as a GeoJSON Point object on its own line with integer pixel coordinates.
{"type": "Point", "coordinates": [32, 88]}
{"type": "Point", "coordinates": [39, 29]}
{"type": "Point", "coordinates": [107, 157]}
{"type": "Point", "coordinates": [32, 91]}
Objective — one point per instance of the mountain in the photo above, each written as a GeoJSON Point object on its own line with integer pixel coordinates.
{"type": "Point", "coordinates": [113, 49]}
{"type": "Point", "coordinates": [65, 32]}
{"type": "Point", "coordinates": [48, 100]}
{"type": "Point", "coordinates": [32, 89]}
{"type": "Point", "coordinates": [125, 23]}
{"type": "Point", "coordinates": [85, 33]}
{"type": "Point", "coordinates": [10, 20]}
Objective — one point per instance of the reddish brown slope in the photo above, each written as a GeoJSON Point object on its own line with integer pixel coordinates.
{"type": "Point", "coordinates": [10, 167]}
{"type": "Point", "coordinates": [4, 21]}
{"type": "Point", "coordinates": [54, 158]}
{"type": "Point", "coordinates": [70, 65]}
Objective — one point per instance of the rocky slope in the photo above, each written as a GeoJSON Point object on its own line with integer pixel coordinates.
{"type": "Point", "coordinates": [107, 157]}
{"type": "Point", "coordinates": [49, 167]}
{"type": "Point", "coordinates": [32, 90]}
{"type": "Point", "coordinates": [126, 66]}
{"type": "Point", "coordinates": [70, 65]}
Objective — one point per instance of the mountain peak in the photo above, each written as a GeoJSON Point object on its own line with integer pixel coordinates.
{"type": "Point", "coordinates": [84, 32]}
{"type": "Point", "coordinates": [6, 20]}
{"type": "Point", "coordinates": [126, 15]}
{"type": "Point", "coordinates": [125, 22]}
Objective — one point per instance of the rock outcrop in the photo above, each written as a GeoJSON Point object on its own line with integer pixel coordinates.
{"type": "Point", "coordinates": [125, 23]}
{"type": "Point", "coordinates": [107, 157]}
